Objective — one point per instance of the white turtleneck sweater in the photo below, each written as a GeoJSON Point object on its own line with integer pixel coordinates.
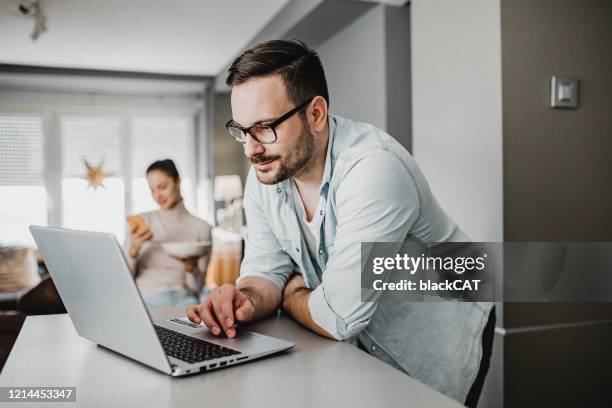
{"type": "Point", "coordinates": [153, 268]}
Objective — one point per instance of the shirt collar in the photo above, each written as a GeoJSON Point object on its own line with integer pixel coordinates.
{"type": "Point", "coordinates": [327, 171]}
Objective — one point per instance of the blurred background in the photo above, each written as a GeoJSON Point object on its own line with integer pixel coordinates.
{"type": "Point", "coordinates": [466, 86]}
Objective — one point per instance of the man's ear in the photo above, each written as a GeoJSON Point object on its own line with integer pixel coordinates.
{"type": "Point", "coordinates": [318, 114]}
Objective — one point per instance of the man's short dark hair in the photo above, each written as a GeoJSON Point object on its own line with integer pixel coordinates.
{"type": "Point", "coordinates": [299, 66]}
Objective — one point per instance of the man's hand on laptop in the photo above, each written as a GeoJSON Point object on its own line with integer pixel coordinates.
{"type": "Point", "coordinates": [254, 299]}
{"type": "Point", "coordinates": [221, 309]}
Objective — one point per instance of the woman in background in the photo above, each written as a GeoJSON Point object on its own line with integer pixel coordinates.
{"type": "Point", "coordinates": [165, 280]}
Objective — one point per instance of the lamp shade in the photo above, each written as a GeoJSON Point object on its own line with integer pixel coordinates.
{"type": "Point", "coordinates": [228, 187]}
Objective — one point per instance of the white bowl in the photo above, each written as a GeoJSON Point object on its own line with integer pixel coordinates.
{"type": "Point", "coordinates": [186, 249]}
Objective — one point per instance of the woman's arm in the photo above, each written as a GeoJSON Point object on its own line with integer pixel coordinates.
{"type": "Point", "coordinates": [197, 267]}
{"type": "Point", "coordinates": [133, 244]}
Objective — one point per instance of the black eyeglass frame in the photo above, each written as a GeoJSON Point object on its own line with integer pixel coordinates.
{"type": "Point", "coordinates": [272, 125]}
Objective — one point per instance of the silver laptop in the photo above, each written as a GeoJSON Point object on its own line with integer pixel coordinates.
{"type": "Point", "coordinates": [94, 281]}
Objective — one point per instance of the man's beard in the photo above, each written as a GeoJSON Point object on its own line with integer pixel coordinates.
{"type": "Point", "coordinates": [298, 160]}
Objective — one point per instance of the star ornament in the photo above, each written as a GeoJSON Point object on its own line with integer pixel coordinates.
{"type": "Point", "coordinates": [95, 175]}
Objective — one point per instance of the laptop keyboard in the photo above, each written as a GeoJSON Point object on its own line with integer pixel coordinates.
{"type": "Point", "coordinates": [190, 349]}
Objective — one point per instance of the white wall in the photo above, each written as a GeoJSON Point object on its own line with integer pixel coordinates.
{"type": "Point", "coordinates": [457, 109]}
{"type": "Point", "coordinates": [187, 37]}
{"type": "Point", "coordinates": [355, 69]}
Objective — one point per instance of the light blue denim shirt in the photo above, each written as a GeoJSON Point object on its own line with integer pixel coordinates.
{"type": "Point", "coordinates": [374, 192]}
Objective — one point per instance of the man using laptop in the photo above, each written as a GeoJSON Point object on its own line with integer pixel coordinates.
{"type": "Point", "coordinates": [319, 186]}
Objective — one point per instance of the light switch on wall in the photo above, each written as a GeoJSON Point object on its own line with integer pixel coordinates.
{"type": "Point", "coordinates": [563, 92]}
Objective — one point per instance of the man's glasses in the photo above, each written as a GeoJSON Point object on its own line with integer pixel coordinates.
{"type": "Point", "coordinates": [261, 133]}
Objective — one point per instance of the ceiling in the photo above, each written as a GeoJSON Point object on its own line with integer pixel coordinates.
{"type": "Point", "coordinates": [185, 37]}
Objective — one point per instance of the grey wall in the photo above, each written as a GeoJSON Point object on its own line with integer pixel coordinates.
{"type": "Point", "coordinates": [354, 65]}
{"type": "Point", "coordinates": [228, 155]}
{"type": "Point", "coordinates": [312, 21]}
{"type": "Point", "coordinates": [368, 70]}
{"type": "Point", "coordinates": [456, 109]}
{"type": "Point", "coordinates": [398, 74]}
{"type": "Point", "coordinates": [557, 162]}
{"type": "Point", "coordinates": [557, 186]}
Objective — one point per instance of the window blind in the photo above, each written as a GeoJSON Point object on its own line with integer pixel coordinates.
{"type": "Point", "coordinates": [95, 139]}
{"type": "Point", "coordinates": [158, 138]}
{"type": "Point", "coordinates": [21, 150]}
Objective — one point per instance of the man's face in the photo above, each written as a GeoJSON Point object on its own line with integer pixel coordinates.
{"type": "Point", "coordinates": [261, 101]}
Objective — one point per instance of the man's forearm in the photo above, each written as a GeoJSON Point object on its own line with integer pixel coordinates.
{"type": "Point", "coordinates": [296, 305]}
{"type": "Point", "coordinates": [263, 295]}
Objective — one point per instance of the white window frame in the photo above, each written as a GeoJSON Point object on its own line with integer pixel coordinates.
{"type": "Point", "coordinates": [52, 105]}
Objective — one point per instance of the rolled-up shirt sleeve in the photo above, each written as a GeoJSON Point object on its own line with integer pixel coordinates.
{"type": "Point", "coordinates": [377, 201]}
{"type": "Point", "coordinates": [264, 256]}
